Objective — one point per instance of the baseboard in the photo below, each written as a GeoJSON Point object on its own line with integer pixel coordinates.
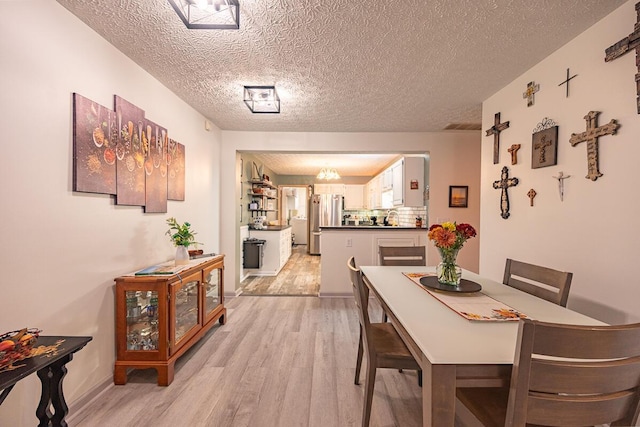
{"type": "Point", "coordinates": [77, 405]}
{"type": "Point", "coordinates": [335, 294]}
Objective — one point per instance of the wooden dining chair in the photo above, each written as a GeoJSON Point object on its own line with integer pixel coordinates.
{"type": "Point", "coordinates": [543, 282]}
{"type": "Point", "coordinates": [403, 255]}
{"type": "Point", "coordinates": [565, 375]}
{"type": "Point", "coordinates": [380, 343]}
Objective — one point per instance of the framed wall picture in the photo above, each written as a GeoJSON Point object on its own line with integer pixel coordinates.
{"type": "Point", "coordinates": [458, 196]}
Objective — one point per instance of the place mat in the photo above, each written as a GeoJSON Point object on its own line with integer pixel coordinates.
{"type": "Point", "coordinates": [471, 306]}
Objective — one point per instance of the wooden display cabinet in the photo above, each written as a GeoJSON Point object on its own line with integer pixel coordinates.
{"type": "Point", "coordinates": [159, 317]}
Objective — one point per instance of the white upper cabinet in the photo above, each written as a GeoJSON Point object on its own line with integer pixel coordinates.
{"type": "Point", "coordinates": [354, 197]}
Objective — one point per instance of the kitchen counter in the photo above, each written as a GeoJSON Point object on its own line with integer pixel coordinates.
{"type": "Point", "coordinates": [371, 227]}
{"type": "Point", "coordinates": [271, 228]}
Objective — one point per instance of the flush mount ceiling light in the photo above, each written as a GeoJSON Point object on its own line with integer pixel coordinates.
{"type": "Point", "coordinates": [208, 14]}
{"type": "Point", "coordinates": [262, 99]}
{"type": "Point", "coordinates": [328, 174]}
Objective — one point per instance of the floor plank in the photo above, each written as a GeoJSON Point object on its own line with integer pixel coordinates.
{"type": "Point", "coordinates": [279, 361]}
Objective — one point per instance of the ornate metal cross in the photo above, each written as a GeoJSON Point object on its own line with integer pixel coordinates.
{"type": "Point", "coordinates": [514, 153]}
{"type": "Point", "coordinates": [591, 137]}
{"type": "Point", "coordinates": [495, 131]}
{"type": "Point", "coordinates": [567, 82]}
{"type": "Point", "coordinates": [504, 183]}
{"type": "Point", "coordinates": [532, 88]}
{"type": "Point", "coordinates": [632, 41]}
{"type": "Point", "coordinates": [532, 193]}
{"type": "Point", "coordinates": [542, 145]}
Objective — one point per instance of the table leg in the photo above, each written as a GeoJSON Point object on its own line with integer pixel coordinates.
{"type": "Point", "coordinates": [52, 396]}
{"type": "Point", "coordinates": [438, 394]}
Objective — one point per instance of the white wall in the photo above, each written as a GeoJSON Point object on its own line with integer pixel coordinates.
{"type": "Point", "coordinates": [61, 250]}
{"type": "Point", "coordinates": [594, 232]}
{"type": "Point", "coordinates": [453, 161]}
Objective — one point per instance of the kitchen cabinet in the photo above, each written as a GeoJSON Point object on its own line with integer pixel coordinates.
{"type": "Point", "coordinates": [374, 200]}
{"type": "Point", "coordinates": [397, 173]}
{"type": "Point", "coordinates": [354, 197]}
{"type": "Point", "coordinates": [159, 317]}
{"type": "Point", "coordinates": [264, 197]}
{"type": "Point", "coordinates": [276, 249]}
{"type": "Point", "coordinates": [329, 189]}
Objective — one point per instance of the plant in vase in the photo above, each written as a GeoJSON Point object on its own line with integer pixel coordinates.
{"type": "Point", "coordinates": [182, 237]}
{"type": "Point", "coordinates": [449, 238]}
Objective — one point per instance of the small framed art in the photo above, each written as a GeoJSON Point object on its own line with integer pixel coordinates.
{"type": "Point", "coordinates": [458, 196]}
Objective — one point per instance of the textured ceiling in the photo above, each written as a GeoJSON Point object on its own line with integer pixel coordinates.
{"type": "Point", "coordinates": [344, 65]}
{"type": "Point", "coordinates": [311, 163]}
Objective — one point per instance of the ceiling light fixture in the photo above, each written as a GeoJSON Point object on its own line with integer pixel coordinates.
{"type": "Point", "coordinates": [208, 14]}
{"type": "Point", "coordinates": [262, 99]}
{"type": "Point", "coordinates": [328, 174]}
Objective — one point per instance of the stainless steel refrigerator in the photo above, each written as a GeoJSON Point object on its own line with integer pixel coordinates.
{"type": "Point", "coordinates": [325, 210]}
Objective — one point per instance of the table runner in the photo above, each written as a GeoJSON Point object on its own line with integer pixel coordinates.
{"type": "Point", "coordinates": [471, 306]}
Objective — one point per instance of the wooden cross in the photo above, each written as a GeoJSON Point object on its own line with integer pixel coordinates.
{"type": "Point", "coordinates": [532, 193]}
{"type": "Point", "coordinates": [514, 153]}
{"type": "Point", "coordinates": [632, 41]}
{"type": "Point", "coordinates": [541, 146]}
{"type": "Point", "coordinates": [504, 183]}
{"type": "Point", "coordinates": [532, 88]}
{"type": "Point", "coordinates": [591, 137]}
{"type": "Point", "coordinates": [495, 131]}
{"type": "Point", "coordinates": [567, 82]}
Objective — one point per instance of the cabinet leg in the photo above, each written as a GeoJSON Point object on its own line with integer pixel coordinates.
{"type": "Point", "coordinates": [119, 375]}
{"type": "Point", "coordinates": [223, 318]}
{"type": "Point", "coordinates": [165, 374]}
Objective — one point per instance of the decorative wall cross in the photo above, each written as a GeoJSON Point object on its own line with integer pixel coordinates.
{"type": "Point", "coordinates": [567, 82]}
{"type": "Point", "coordinates": [514, 153]}
{"type": "Point", "coordinates": [632, 41]}
{"type": "Point", "coordinates": [542, 147]}
{"type": "Point", "coordinates": [591, 137]}
{"type": "Point", "coordinates": [504, 183]}
{"type": "Point", "coordinates": [528, 94]}
{"type": "Point", "coordinates": [532, 193]}
{"type": "Point", "coordinates": [561, 177]}
{"type": "Point", "coordinates": [495, 131]}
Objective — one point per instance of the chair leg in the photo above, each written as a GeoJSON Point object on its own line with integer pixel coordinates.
{"type": "Point", "coordinates": [359, 359]}
{"type": "Point", "coordinates": [368, 392]}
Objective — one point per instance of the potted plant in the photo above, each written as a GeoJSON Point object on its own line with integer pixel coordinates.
{"type": "Point", "coordinates": [182, 236]}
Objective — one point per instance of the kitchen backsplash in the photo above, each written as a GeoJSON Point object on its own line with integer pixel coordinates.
{"type": "Point", "coordinates": [406, 216]}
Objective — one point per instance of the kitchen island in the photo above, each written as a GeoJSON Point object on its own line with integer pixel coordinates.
{"type": "Point", "coordinates": [276, 250]}
{"type": "Point", "coordinates": [338, 244]}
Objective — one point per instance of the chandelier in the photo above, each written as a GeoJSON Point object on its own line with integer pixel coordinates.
{"type": "Point", "coordinates": [328, 174]}
{"type": "Point", "coordinates": [208, 14]}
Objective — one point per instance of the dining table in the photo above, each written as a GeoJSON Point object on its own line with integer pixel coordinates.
{"type": "Point", "coordinates": [452, 350]}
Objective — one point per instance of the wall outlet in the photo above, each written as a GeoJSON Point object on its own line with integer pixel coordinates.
{"type": "Point", "coordinates": [349, 242]}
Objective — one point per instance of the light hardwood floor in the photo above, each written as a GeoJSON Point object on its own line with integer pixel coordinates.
{"type": "Point", "coordinates": [279, 361]}
{"type": "Point", "coordinates": [299, 276]}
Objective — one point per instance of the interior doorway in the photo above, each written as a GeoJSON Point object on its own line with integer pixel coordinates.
{"type": "Point", "coordinates": [294, 203]}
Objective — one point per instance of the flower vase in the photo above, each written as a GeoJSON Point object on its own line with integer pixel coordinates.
{"type": "Point", "coordinates": [182, 255]}
{"type": "Point", "coordinates": [448, 272]}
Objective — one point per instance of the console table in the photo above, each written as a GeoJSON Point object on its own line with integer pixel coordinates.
{"type": "Point", "coordinates": [51, 370]}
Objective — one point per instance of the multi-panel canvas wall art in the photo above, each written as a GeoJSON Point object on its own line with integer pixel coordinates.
{"type": "Point", "coordinates": [122, 153]}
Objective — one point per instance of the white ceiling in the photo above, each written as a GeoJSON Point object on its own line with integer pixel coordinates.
{"type": "Point", "coordinates": [310, 163]}
{"type": "Point", "coordinates": [344, 65]}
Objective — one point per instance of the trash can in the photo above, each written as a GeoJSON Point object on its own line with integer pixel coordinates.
{"type": "Point", "coordinates": [253, 253]}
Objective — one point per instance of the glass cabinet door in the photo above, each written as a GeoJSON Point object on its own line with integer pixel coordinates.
{"type": "Point", "coordinates": [212, 289]}
{"type": "Point", "coordinates": [186, 314]}
{"type": "Point", "coordinates": [142, 320]}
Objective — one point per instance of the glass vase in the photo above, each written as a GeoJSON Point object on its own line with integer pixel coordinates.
{"type": "Point", "coordinates": [448, 272]}
{"type": "Point", "coordinates": [182, 255]}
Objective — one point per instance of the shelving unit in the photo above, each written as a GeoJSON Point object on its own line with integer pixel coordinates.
{"type": "Point", "coordinates": [264, 196]}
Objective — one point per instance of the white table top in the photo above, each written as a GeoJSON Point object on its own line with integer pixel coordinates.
{"type": "Point", "coordinates": [444, 336]}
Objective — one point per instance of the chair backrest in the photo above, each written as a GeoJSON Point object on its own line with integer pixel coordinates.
{"type": "Point", "coordinates": [543, 282]}
{"type": "Point", "coordinates": [361, 295]}
{"type": "Point", "coordinates": [403, 255]}
{"type": "Point", "coordinates": [569, 375]}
